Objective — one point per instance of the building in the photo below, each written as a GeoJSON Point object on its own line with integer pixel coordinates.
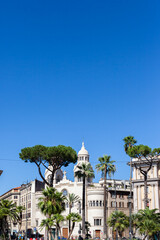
{"type": "Point", "coordinates": [14, 196]}
{"type": "Point", "coordinates": [153, 185]}
{"type": "Point", "coordinates": [29, 198]}
{"type": "Point", "coordinates": [118, 192]}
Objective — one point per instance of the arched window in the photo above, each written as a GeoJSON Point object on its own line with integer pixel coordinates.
{"type": "Point", "coordinates": [93, 203]}
{"type": "Point", "coordinates": [64, 192]}
{"type": "Point", "coordinates": [100, 203]}
{"type": "Point", "coordinates": [97, 203]}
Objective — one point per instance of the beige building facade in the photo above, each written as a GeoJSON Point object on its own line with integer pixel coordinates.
{"type": "Point", "coordinates": [14, 196]}
{"type": "Point", "coordinates": [153, 185]}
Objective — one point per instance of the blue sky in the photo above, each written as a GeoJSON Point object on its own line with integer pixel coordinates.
{"type": "Point", "coordinates": [73, 71]}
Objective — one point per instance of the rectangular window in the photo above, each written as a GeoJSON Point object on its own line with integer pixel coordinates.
{"type": "Point", "coordinates": [121, 196]}
{"type": "Point", "coordinates": [97, 222]}
{"type": "Point", "coordinates": [15, 197]}
{"type": "Point", "coordinates": [113, 195]}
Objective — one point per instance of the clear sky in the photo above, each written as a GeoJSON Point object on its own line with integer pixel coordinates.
{"type": "Point", "coordinates": [73, 71]}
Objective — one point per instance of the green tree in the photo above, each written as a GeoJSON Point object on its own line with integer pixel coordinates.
{"type": "Point", "coordinates": [48, 224]}
{"type": "Point", "coordinates": [8, 213]}
{"type": "Point", "coordinates": [118, 221]}
{"type": "Point", "coordinates": [148, 223]}
{"type": "Point", "coordinates": [71, 199]}
{"type": "Point", "coordinates": [143, 160]}
{"type": "Point", "coordinates": [129, 142]}
{"type": "Point", "coordinates": [52, 158]}
{"type": "Point", "coordinates": [52, 202]}
{"type": "Point", "coordinates": [134, 222]}
{"type": "Point", "coordinates": [84, 171]}
{"type": "Point", "coordinates": [73, 217]}
{"type": "Point", "coordinates": [106, 166]}
{"type": "Point", "coordinates": [57, 219]}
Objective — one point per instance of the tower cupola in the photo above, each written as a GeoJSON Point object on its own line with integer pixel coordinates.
{"type": "Point", "coordinates": [83, 155]}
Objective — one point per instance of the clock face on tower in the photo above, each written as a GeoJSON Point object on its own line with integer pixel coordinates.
{"type": "Point", "coordinates": [64, 192]}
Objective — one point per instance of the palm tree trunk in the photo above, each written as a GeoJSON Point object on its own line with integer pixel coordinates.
{"type": "Point", "coordinates": [145, 190]}
{"type": "Point", "coordinates": [83, 209]}
{"type": "Point", "coordinates": [69, 220]}
{"type": "Point", "coordinates": [50, 232]}
{"type": "Point", "coordinates": [105, 207]}
{"type": "Point", "coordinates": [70, 233]}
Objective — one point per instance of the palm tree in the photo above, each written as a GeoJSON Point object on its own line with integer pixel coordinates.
{"type": "Point", "coordinates": [57, 218]}
{"type": "Point", "coordinates": [149, 223]}
{"type": "Point", "coordinates": [85, 171]}
{"type": "Point", "coordinates": [48, 224]}
{"type": "Point", "coordinates": [73, 217]}
{"type": "Point", "coordinates": [129, 142]}
{"type": "Point", "coordinates": [118, 221]}
{"type": "Point", "coordinates": [8, 211]}
{"type": "Point", "coordinates": [71, 199]}
{"type": "Point", "coordinates": [51, 203]}
{"type": "Point", "coordinates": [106, 166]}
{"type": "Point", "coordinates": [134, 219]}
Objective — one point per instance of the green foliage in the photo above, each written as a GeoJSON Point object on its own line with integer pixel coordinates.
{"type": "Point", "coordinates": [129, 142]}
{"type": "Point", "coordinates": [52, 202]}
{"type": "Point", "coordinates": [148, 222]}
{"type": "Point", "coordinates": [85, 170]}
{"type": "Point", "coordinates": [118, 221]}
{"type": "Point", "coordinates": [8, 210]}
{"type": "Point", "coordinates": [139, 151]}
{"type": "Point", "coordinates": [105, 162]}
{"type": "Point", "coordinates": [55, 157]}
{"type": "Point", "coordinates": [73, 217]}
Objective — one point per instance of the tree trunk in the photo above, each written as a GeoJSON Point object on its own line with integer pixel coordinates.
{"type": "Point", "coordinates": [50, 232]}
{"type": "Point", "coordinates": [145, 191]}
{"type": "Point", "coordinates": [70, 233]}
{"type": "Point", "coordinates": [105, 207]}
{"type": "Point", "coordinates": [69, 219]}
{"type": "Point", "coordinates": [83, 208]}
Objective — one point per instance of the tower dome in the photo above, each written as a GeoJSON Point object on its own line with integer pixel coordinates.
{"type": "Point", "coordinates": [83, 151]}
{"type": "Point", "coordinates": [83, 155]}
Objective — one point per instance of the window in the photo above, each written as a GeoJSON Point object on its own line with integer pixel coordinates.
{"type": "Point", "coordinates": [36, 223]}
{"type": "Point", "coordinates": [121, 196]}
{"type": "Point", "coordinates": [97, 203]}
{"type": "Point", "coordinates": [93, 203]}
{"type": "Point", "coordinates": [29, 205]}
{"type": "Point", "coordinates": [15, 197]}
{"type": "Point", "coordinates": [113, 195]}
{"type": "Point", "coordinates": [14, 224]}
{"type": "Point", "coordinates": [100, 203]}
{"type": "Point", "coordinates": [121, 204]}
{"type": "Point", "coordinates": [64, 192]}
{"type": "Point", "coordinates": [113, 204]}
{"type": "Point", "coordinates": [97, 222]}
{"type": "Point", "coordinates": [86, 158]}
